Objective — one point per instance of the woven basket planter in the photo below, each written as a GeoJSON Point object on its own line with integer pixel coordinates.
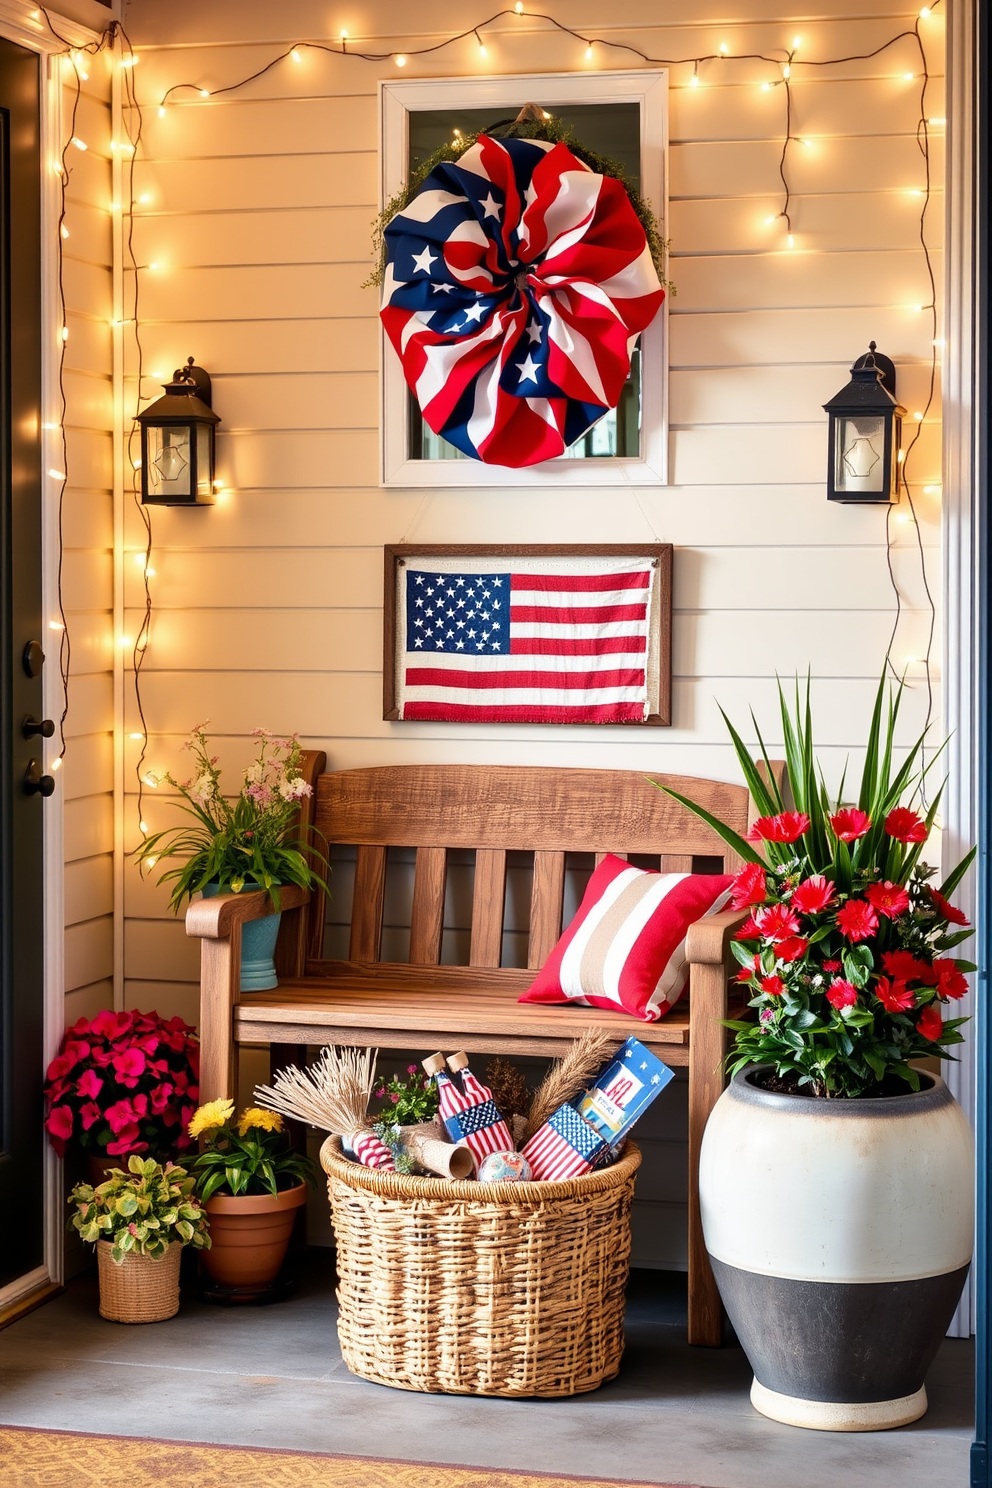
{"type": "Point", "coordinates": [481, 1289]}
{"type": "Point", "coordinates": [142, 1289]}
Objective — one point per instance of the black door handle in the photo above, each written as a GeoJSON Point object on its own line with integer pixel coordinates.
{"type": "Point", "coordinates": [31, 726]}
{"type": "Point", "coordinates": [35, 783]}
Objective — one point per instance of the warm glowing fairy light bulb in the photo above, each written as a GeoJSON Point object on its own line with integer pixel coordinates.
{"type": "Point", "coordinates": [791, 241]}
{"type": "Point", "coordinates": [136, 736]}
{"type": "Point", "coordinates": [295, 55]}
{"type": "Point", "coordinates": [724, 49]}
{"type": "Point", "coordinates": [519, 7]}
{"type": "Point", "coordinates": [766, 87]}
{"type": "Point", "coordinates": [589, 52]}
{"type": "Point", "coordinates": [786, 71]}
{"type": "Point", "coordinates": [204, 92]}
{"type": "Point", "coordinates": [796, 40]}
{"type": "Point", "coordinates": [401, 61]}
{"type": "Point", "coordinates": [161, 110]}
{"type": "Point", "coordinates": [64, 230]}
{"type": "Point", "coordinates": [694, 80]}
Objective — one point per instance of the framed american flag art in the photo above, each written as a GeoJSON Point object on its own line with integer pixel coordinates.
{"type": "Point", "coordinates": [524, 633]}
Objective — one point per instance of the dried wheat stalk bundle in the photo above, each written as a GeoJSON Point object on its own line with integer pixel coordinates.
{"type": "Point", "coordinates": [333, 1094]}
{"type": "Point", "coordinates": [569, 1075]}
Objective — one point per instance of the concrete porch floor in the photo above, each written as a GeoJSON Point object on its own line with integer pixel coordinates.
{"type": "Point", "coordinates": [273, 1377]}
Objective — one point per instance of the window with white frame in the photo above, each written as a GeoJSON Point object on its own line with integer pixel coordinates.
{"type": "Point", "coordinates": [621, 115]}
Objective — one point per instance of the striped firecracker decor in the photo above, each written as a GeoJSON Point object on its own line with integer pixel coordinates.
{"type": "Point", "coordinates": [470, 1114]}
{"type": "Point", "coordinates": [564, 1147]}
{"type": "Point", "coordinates": [371, 1152]}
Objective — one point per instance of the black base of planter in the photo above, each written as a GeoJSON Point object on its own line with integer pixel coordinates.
{"type": "Point", "coordinates": [243, 1296]}
{"type": "Point", "coordinates": [845, 1343]}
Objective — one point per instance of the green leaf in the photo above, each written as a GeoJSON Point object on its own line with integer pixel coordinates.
{"type": "Point", "coordinates": [732, 838]}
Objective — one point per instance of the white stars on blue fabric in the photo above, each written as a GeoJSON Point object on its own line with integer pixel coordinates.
{"type": "Point", "coordinates": [466, 614]}
{"type": "Point", "coordinates": [422, 261]}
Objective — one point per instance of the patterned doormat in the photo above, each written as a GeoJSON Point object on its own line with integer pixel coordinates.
{"type": "Point", "coordinates": [31, 1458]}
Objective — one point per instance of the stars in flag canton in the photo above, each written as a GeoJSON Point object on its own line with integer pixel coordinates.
{"type": "Point", "coordinates": [467, 613]}
{"type": "Point", "coordinates": [528, 368]}
{"type": "Point", "coordinates": [489, 207]}
{"type": "Point", "coordinates": [533, 331]}
{"type": "Point", "coordinates": [422, 261]}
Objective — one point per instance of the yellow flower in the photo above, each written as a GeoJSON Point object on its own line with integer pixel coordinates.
{"type": "Point", "coordinates": [213, 1114]}
{"type": "Point", "coordinates": [262, 1120]}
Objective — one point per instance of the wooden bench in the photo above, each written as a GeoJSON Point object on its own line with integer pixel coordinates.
{"type": "Point", "coordinates": [493, 810]}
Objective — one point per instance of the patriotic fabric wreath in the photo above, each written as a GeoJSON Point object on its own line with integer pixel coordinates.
{"type": "Point", "coordinates": [517, 282]}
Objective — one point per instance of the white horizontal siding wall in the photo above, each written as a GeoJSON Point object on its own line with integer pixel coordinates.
{"type": "Point", "coordinates": [268, 607]}
{"type": "Point", "coordinates": [87, 779]}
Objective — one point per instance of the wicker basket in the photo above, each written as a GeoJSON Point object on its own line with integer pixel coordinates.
{"type": "Point", "coordinates": [481, 1289]}
{"type": "Point", "coordinates": [142, 1289]}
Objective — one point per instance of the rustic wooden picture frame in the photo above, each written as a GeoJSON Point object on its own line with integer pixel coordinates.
{"type": "Point", "coordinates": [661, 554]}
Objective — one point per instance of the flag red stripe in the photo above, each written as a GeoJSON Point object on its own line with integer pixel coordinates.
{"type": "Point", "coordinates": [525, 713]}
{"type": "Point", "coordinates": [587, 646]}
{"type": "Point", "coordinates": [498, 681]}
{"type": "Point", "coordinates": [581, 615]}
{"type": "Point", "coordinates": [557, 582]}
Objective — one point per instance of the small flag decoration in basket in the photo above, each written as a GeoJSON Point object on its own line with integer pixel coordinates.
{"type": "Point", "coordinates": [565, 1147]}
{"type": "Point", "coordinates": [470, 1114]}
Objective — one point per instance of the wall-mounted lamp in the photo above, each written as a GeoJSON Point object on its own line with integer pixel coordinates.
{"type": "Point", "coordinates": [177, 442]}
{"type": "Point", "coordinates": [865, 435]}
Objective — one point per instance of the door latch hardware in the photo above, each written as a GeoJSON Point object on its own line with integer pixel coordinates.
{"type": "Point", "coordinates": [35, 783]}
{"type": "Point", "coordinates": [31, 726]}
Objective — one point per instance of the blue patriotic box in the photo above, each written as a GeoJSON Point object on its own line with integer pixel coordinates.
{"type": "Point", "coordinates": [623, 1091]}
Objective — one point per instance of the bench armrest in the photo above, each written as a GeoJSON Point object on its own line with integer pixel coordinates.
{"type": "Point", "coordinates": [217, 924]}
{"type": "Point", "coordinates": [708, 940]}
{"type": "Point", "coordinates": [214, 919]}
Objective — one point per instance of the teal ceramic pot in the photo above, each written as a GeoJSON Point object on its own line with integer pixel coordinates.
{"type": "Point", "coordinates": [258, 945]}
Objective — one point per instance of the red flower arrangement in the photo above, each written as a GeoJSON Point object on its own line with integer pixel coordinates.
{"type": "Point", "coordinates": [846, 946]}
{"type": "Point", "coordinates": [124, 1082]}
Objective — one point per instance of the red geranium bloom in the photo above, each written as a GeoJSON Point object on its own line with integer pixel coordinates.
{"type": "Point", "coordinates": [850, 823]}
{"type": "Point", "coordinates": [776, 921]}
{"type": "Point", "coordinates": [894, 996]}
{"type": "Point", "coordinates": [119, 1116]}
{"type": "Point", "coordinates": [59, 1124]}
{"type": "Point", "coordinates": [814, 894]}
{"type": "Point", "coordinates": [110, 1025]}
{"type": "Point", "coordinates": [905, 826]}
{"type": "Point", "coordinates": [888, 898]}
{"type": "Point", "coordinates": [857, 920]}
{"type": "Point", "coordinates": [949, 912]}
{"type": "Point", "coordinates": [930, 1023]}
{"type": "Point", "coordinates": [831, 966]}
{"type": "Point", "coordinates": [89, 1084]}
{"type": "Point", "coordinates": [841, 994]}
{"type": "Point", "coordinates": [773, 985]}
{"type": "Point", "coordinates": [748, 930]}
{"type": "Point", "coordinates": [905, 966]}
{"type": "Point", "coordinates": [951, 982]}
{"type": "Point", "coordinates": [129, 1064]}
{"type": "Point", "coordinates": [125, 1143]}
{"type": "Point", "coordinates": [791, 948]}
{"type": "Point", "coordinates": [785, 827]}
{"type": "Point", "coordinates": [747, 972]}
{"type": "Point", "coordinates": [161, 1096]}
{"type": "Point", "coordinates": [749, 887]}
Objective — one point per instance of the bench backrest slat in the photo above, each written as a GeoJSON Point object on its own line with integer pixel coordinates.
{"type": "Point", "coordinates": [547, 896]}
{"type": "Point", "coordinates": [427, 915]}
{"type": "Point", "coordinates": [488, 904]}
{"type": "Point", "coordinates": [366, 915]}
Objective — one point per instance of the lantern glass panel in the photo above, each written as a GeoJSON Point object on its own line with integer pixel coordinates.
{"type": "Point", "coordinates": [204, 462]}
{"type": "Point", "coordinates": [859, 454]}
{"type": "Point", "coordinates": [169, 462]}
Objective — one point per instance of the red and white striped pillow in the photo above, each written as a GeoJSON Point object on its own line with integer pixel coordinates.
{"type": "Point", "coordinates": [625, 949]}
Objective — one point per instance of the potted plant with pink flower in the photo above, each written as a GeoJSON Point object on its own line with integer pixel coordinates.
{"type": "Point", "coordinates": [836, 1175]}
{"type": "Point", "coordinates": [253, 841]}
{"type": "Point", "coordinates": [123, 1082]}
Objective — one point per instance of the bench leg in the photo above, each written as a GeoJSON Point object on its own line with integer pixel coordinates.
{"type": "Point", "coordinates": [706, 1081]}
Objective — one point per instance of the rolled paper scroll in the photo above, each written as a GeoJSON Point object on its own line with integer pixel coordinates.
{"type": "Point", "coordinates": [439, 1157]}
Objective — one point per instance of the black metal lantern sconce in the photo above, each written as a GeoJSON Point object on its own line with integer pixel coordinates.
{"type": "Point", "coordinates": [865, 434]}
{"type": "Point", "coordinates": [177, 442]}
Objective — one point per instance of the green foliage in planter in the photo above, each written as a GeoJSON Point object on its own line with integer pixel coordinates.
{"type": "Point", "coordinates": [144, 1210]}
{"type": "Point", "coordinates": [409, 1101]}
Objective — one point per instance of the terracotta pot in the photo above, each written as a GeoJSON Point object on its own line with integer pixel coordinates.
{"type": "Point", "coordinates": [249, 1235]}
{"type": "Point", "coordinates": [840, 1236]}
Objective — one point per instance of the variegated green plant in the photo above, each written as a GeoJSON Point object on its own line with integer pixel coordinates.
{"type": "Point", "coordinates": [142, 1211]}
{"type": "Point", "coordinates": [845, 951]}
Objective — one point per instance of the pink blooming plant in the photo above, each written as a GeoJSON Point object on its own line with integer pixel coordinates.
{"type": "Point", "coordinates": [847, 951]}
{"type": "Point", "coordinates": [123, 1082]}
{"type": "Point", "coordinates": [253, 841]}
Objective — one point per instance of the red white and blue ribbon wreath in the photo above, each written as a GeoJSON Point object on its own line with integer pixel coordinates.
{"type": "Point", "coordinates": [517, 282]}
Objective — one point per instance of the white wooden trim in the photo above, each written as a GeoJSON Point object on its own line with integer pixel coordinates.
{"type": "Point", "coordinates": [121, 487]}
{"type": "Point", "coordinates": [961, 401]}
{"type": "Point", "coordinates": [22, 21]}
{"type": "Point", "coordinates": [15, 1290]}
{"type": "Point", "coordinates": [650, 90]}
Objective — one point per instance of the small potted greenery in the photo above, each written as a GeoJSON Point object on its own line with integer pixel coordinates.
{"type": "Point", "coordinates": [139, 1222]}
{"type": "Point", "coordinates": [254, 841]}
{"type": "Point", "coordinates": [410, 1109]}
{"type": "Point", "coordinates": [251, 1183]}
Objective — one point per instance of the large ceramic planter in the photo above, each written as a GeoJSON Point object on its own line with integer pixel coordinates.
{"type": "Point", "coordinates": [249, 1236]}
{"type": "Point", "coordinates": [141, 1289]}
{"type": "Point", "coordinates": [258, 945]}
{"type": "Point", "coordinates": [840, 1235]}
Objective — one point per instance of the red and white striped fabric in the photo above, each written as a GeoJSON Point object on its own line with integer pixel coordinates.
{"type": "Point", "coordinates": [372, 1153]}
{"type": "Point", "coordinates": [569, 644]}
{"type": "Point", "coordinates": [625, 949]}
{"type": "Point", "coordinates": [471, 1117]}
{"type": "Point", "coordinates": [516, 285]}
